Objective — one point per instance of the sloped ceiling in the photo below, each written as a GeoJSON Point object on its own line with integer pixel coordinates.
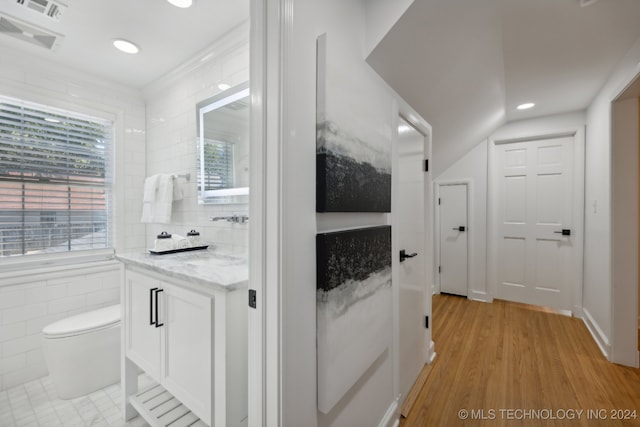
{"type": "Point", "coordinates": [464, 65]}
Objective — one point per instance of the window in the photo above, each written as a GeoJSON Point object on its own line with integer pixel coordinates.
{"type": "Point", "coordinates": [55, 180]}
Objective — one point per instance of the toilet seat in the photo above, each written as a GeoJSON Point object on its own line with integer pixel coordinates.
{"type": "Point", "coordinates": [84, 323]}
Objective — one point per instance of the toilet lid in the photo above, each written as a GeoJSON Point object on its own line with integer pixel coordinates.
{"type": "Point", "coordinates": [84, 322]}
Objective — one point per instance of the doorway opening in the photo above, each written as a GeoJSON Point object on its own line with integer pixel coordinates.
{"type": "Point", "coordinates": [625, 225]}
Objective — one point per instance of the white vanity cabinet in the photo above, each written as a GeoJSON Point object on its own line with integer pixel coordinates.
{"type": "Point", "coordinates": [169, 335]}
{"type": "Point", "coordinates": [191, 340]}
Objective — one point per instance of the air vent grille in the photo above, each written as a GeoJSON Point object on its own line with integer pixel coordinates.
{"type": "Point", "coordinates": [51, 9]}
{"type": "Point", "coordinates": [29, 33]}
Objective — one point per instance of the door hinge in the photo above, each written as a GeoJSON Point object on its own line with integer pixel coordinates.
{"type": "Point", "coordinates": [253, 298]}
{"type": "Point", "coordinates": [439, 269]}
{"type": "Point", "coordinates": [426, 322]}
{"type": "Point", "coordinates": [439, 201]}
{"type": "Point", "coordinates": [426, 165]}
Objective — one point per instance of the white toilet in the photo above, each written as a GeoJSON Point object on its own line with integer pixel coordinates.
{"type": "Point", "coordinates": [82, 352]}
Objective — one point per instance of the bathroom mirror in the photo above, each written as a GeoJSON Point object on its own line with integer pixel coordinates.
{"type": "Point", "coordinates": [223, 147]}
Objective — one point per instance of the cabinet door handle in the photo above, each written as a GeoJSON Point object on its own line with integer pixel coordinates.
{"type": "Point", "coordinates": [151, 321]}
{"type": "Point", "coordinates": [158, 324]}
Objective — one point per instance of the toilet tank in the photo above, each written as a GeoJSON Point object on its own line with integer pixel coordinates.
{"type": "Point", "coordinates": [82, 352]}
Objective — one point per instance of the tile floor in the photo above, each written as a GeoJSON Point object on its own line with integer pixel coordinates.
{"type": "Point", "coordinates": [36, 404]}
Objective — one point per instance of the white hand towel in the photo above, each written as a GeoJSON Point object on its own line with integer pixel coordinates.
{"type": "Point", "coordinates": [150, 188]}
{"type": "Point", "coordinates": [177, 190]}
{"type": "Point", "coordinates": [149, 198]}
{"type": "Point", "coordinates": [157, 199]}
{"type": "Point", "coordinates": [164, 200]}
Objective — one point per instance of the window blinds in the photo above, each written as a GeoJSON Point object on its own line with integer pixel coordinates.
{"type": "Point", "coordinates": [55, 180]}
{"type": "Point", "coordinates": [218, 165]}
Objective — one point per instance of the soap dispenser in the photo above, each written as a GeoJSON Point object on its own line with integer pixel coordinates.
{"type": "Point", "coordinates": [194, 238]}
{"type": "Point", "coordinates": [163, 242]}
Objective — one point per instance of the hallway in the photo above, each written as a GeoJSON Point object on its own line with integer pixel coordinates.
{"type": "Point", "coordinates": [507, 364]}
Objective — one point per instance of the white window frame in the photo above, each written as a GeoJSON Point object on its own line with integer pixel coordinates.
{"type": "Point", "coordinates": [26, 261]}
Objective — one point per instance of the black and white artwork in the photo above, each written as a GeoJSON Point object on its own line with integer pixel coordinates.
{"type": "Point", "coordinates": [354, 306]}
{"type": "Point", "coordinates": [353, 145]}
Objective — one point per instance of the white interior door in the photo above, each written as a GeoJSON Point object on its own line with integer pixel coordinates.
{"type": "Point", "coordinates": [412, 277]}
{"type": "Point", "coordinates": [453, 239]}
{"type": "Point", "coordinates": [535, 215]}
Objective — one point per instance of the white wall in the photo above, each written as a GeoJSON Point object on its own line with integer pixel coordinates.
{"type": "Point", "coordinates": [30, 300]}
{"type": "Point", "coordinates": [367, 401]}
{"type": "Point", "coordinates": [597, 302]}
{"type": "Point", "coordinates": [172, 132]}
{"type": "Point", "coordinates": [472, 169]}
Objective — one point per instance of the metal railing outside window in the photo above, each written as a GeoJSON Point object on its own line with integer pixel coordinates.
{"type": "Point", "coordinates": [55, 180]}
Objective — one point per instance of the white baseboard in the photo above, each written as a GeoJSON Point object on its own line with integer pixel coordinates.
{"type": "Point", "coordinates": [392, 416]}
{"type": "Point", "coordinates": [479, 296]}
{"type": "Point", "coordinates": [578, 312]}
{"type": "Point", "coordinates": [598, 335]}
{"type": "Point", "coordinates": [432, 352]}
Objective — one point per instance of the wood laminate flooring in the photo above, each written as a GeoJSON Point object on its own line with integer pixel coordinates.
{"type": "Point", "coordinates": [509, 364]}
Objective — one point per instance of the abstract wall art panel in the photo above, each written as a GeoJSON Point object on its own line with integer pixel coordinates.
{"type": "Point", "coordinates": [353, 142]}
{"type": "Point", "coordinates": [353, 307]}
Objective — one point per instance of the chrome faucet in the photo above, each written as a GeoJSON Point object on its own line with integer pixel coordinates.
{"type": "Point", "coordinates": [238, 219]}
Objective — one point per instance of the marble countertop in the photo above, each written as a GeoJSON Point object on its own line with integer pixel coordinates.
{"type": "Point", "coordinates": [208, 267]}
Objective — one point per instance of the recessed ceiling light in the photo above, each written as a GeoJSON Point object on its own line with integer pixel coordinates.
{"type": "Point", "coordinates": [525, 106]}
{"type": "Point", "coordinates": [223, 86]}
{"type": "Point", "coordinates": [126, 46]}
{"type": "Point", "coordinates": [181, 3]}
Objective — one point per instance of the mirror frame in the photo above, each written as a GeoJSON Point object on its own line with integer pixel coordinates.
{"type": "Point", "coordinates": [224, 195]}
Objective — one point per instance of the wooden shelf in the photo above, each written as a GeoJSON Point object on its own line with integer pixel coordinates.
{"type": "Point", "coordinates": [160, 409]}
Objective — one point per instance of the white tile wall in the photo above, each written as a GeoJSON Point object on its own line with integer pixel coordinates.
{"type": "Point", "coordinates": [172, 133]}
{"type": "Point", "coordinates": [28, 307]}
{"type": "Point", "coordinates": [31, 304]}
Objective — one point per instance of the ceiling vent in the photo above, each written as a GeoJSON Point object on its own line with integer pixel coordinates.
{"type": "Point", "coordinates": [29, 33]}
{"type": "Point", "coordinates": [585, 3]}
{"type": "Point", "coordinates": [48, 8]}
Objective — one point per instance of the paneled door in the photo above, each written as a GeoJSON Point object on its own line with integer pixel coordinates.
{"type": "Point", "coordinates": [535, 214]}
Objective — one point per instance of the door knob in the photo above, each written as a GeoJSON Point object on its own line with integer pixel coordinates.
{"type": "Point", "coordinates": [564, 232]}
{"type": "Point", "coordinates": [461, 228]}
{"type": "Point", "coordinates": [404, 255]}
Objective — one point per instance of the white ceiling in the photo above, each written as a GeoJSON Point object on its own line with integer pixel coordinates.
{"type": "Point", "coordinates": [167, 35]}
{"type": "Point", "coordinates": [464, 65]}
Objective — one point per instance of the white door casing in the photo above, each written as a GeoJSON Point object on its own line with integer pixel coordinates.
{"type": "Point", "coordinates": [454, 231]}
{"type": "Point", "coordinates": [412, 272]}
{"type": "Point", "coordinates": [535, 203]}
